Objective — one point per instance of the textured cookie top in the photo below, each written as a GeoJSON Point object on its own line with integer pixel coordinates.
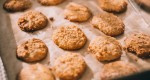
{"type": "Point", "coordinates": [69, 37]}
{"type": "Point", "coordinates": [32, 50]}
{"type": "Point", "coordinates": [50, 2]}
{"type": "Point", "coordinates": [108, 23]}
{"type": "Point", "coordinates": [17, 5]}
{"type": "Point", "coordinates": [69, 66]}
{"type": "Point", "coordinates": [36, 72]}
{"type": "Point", "coordinates": [138, 43]}
{"type": "Point", "coordinates": [105, 48]}
{"type": "Point", "coordinates": [76, 12]}
{"type": "Point", "coordinates": [32, 21]}
{"type": "Point", "coordinates": [113, 5]}
{"type": "Point", "coordinates": [117, 69]}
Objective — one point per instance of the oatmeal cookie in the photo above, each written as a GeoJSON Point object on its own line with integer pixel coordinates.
{"type": "Point", "coordinates": [17, 5]}
{"type": "Point", "coordinates": [36, 72]}
{"type": "Point", "coordinates": [105, 48]}
{"type": "Point", "coordinates": [109, 24]}
{"type": "Point", "coordinates": [138, 43]}
{"type": "Point", "coordinates": [50, 2]}
{"type": "Point", "coordinates": [32, 50]}
{"type": "Point", "coordinates": [76, 12]}
{"type": "Point", "coordinates": [69, 66]}
{"type": "Point", "coordinates": [32, 21]}
{"type": "Point", "coordinates": [113, 5]}
{"type": "Point", "coordinates": [69, 37]}
{"type": "Point", "coordinates": [117, 69]}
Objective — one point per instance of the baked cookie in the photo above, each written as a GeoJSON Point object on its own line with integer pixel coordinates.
{"type": "Point", "coordinates": [143, 3]}
{"type": "Point", "coordinates": [76, 12]}
{"type": "Point", "coordinates": [16, 5]}
{"type": "Point", "coordinates": [32, 21]}
{"type": "Point", "coordinates": [69, 37]}
{"type": "Point", "coordinates": [36, 72]}
{"type": "Point", "coordinates": [113, 5]}
{"type": "Point", "coordinates": [69, 66]}
{"type": "Point", "coordinates": [50, 2]}
{"type": "Point", "coordinates": [109, 24]}
{"type": "Point", "coordinates": [138, 43]}
{"type": "Point", "coordinates": [32, 50]}
{"type": "Point", "coordinates": [117, 69]}
{"type": "Point", "coordinates": [105, 48]}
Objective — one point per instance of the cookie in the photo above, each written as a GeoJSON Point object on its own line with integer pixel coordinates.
{"type": "Point", "coordinates": [32, 21]}
{"type": "Point", "coordinates": [36, 72]}
{"type": "Point", "coordinates": [76, 12]}
{"type": "Point", "coordinates": [69, 66]}
{"type": "Point", "coordinates": [143, 3]}
{"type": "Point", "coordinates": [69, 37]}
{"type": "Point", "coordinates": [32, 50]}
{"type": "Point", "coordinates": [113, 5]}
{"type": "Point", "coordinates": [105, 48]}
{"type": "Point", "coordinates": [117, 69]}
{"type": "Point", "coordinates": [50, 2]}
{"type": "Point", "coordinates": [109, 24]}
{"type": "Point", "coordinates": [17, 5]}
{"type": "Point", "coordinates": [138, 43]}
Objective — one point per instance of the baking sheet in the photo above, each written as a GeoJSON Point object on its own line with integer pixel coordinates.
{"type": "Point", "coordinates": [11, 36]}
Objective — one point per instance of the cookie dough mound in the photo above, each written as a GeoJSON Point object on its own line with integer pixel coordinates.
{"type": "Point", "coordinates": [32, 21]}
{"type": "Point", "coordinates": [113, 5]}
{"type": "Point", "coordinates": [117, 69]}
{"type": "Point", "coordinates": [138, 43]}
{"type": "Point", "coordinates": [36, 72]}
{"type": "Point", "coordinates": [69, 37]}
{"type": "Point", "coordinates": [69, 66]}
{"type": "Point", "coordinates": [105, 48]}
{"type": "Point", "coordinates": [77, 13]}
{"type": "Point", "coordinates": [32, 50]}
{"type": "Point", "coordinates": [50, 2]}
{"type": "Point", "coordinates": [17, 5]}
{"type": "Point", "coordinates": [109, 24]}
{"type": "Point", "coordinates": [143, 3]}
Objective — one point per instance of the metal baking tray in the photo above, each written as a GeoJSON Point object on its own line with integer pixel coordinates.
{"type": "Point", "coordinates": [135, 19]}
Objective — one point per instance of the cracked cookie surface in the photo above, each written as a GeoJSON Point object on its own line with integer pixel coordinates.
{"type": "Point", "coordinates": [105, 48]}
{"type": "Point", "coordinates": [17, 5]}
{"type": "Point", "coordinates": [32, 21]}
{"type": "Point", "coordinates": [109, 24]}
{"type": "Point", "coordinates": [69, 66]}
{"type": "Point", "coordinates": [32, 50]}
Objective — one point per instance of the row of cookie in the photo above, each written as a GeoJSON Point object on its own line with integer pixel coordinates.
{"type": "Point", "coordinates": [21, 5]}
{"type": "Point", "coordinates": [107, 5]}
{"type": "Point", "coordinates": [72, 66]}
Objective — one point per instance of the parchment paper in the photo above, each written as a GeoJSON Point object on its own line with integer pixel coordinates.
{"type": "Point", "coordinates": [11, 36]}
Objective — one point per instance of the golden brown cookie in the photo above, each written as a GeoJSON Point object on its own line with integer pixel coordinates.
{"type": "Point", "coordinates": [138, 43]}
{"type": "Point", "coordinates": [69, 66]}
{"type": "Point", "coordinates": [32, 50]}
{"type": "Point", "coordinates": [76, 12]}
{"type": "Point", "coordinates": [69, 37]}
{"type": "Point", "coordinates": [117, 69]}
{"type": "Point", "coordinates": [143, 3]}
{"type": "Point", "coordinates": [32, 21]}
{"type": "Point", "coordinates": [109, 24]}
{"type": "Point", "coordinates": [36, 72]}
{"type": "Point", "coordinates": [105, 48]}
{"type": "Point", "coordinates": [50, 2]}
{"type": "Point", "coordinates": [113, 5]}
{"type": "Point", "coordinates": [16, 5]}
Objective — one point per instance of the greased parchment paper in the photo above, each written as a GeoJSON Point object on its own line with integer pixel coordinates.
{"type": "Point", "coordinates": [131, 18]}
